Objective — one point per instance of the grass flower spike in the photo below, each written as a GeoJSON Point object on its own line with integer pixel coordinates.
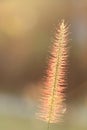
{"type": "Point", "coordinates": [52, 106]}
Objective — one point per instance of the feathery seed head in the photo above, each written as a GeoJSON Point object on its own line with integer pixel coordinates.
{"type": "Point", "coordinates": [52, 106]}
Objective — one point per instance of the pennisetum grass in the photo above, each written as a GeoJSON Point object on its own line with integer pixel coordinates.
{"type": "Point", "coordinates": [52, 105]}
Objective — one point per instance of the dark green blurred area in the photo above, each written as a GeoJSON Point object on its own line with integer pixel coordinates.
{"type": "Point", "coordinates": [27, 30]}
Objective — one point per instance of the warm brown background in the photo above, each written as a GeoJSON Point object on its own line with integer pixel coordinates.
{"type": "Point", "coordinates": [26, 31]}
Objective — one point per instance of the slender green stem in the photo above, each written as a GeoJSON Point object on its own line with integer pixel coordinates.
{"type": "Point", "coordinates": [48, 126]}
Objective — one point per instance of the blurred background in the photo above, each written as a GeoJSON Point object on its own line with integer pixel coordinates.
{"type": "Point", "coordinates": [27, 29]}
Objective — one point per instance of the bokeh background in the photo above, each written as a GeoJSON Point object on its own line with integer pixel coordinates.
{"type": "Point", "coordinates": [27, 29]}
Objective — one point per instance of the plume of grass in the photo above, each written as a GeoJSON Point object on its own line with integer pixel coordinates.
{"type": "Point", "coordinates": [52, 105]}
